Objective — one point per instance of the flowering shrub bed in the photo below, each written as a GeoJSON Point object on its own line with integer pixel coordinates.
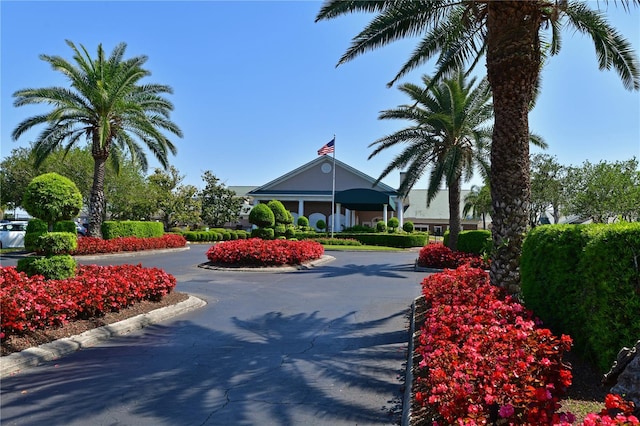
{"type": "Point", "coordinates": [90, 245]}
{"type": "Point", "coordinates": [485, 361]}
{"type": "Point", "coordinates": [29, 303]}
{"type": "Point", "coordinates": [483, 358]}
{"type": "Point", "coordinates": [440, 256]}
{"type": "Point", "coordinates": [258, 252]}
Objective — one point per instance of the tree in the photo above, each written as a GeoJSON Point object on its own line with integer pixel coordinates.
{"type": "Point", "coordinates": [109, 107]}
{"type": "Point", "coordinates": [52, 198]}
{"type": "Point", "coordinates": [547, 182]}
{"type": "Point", "coordinates": [478, 202]}
{"type": "Point", "coordinates": [219, 204]}
{"type": "Point", "coordinates": [446, 135]}
{"type": "Point", "coordinates": [604, 191]}
{"type": "Point", "coordinates": [174, 203]}
{"type": "Point", "coordinates": [513, 35]}
{"type": "Point", "coordinates": [128, 194]}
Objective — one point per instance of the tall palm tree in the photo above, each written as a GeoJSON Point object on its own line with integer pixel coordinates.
{"type": "Point", "coordinates": [515, 36]}
{"type": "Point", "coordinates": [478, 203]}
{"type": "Point", "coordinates": [447, 136]}
{"type": "Point", "coordinates": [108, 107]}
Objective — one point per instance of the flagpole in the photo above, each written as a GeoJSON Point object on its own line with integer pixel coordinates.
{"type": "Point", "coordinates": [333, 190]}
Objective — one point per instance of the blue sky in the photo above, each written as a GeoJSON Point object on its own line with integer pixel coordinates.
{"type": "Point", "coordinates": [257, 93]}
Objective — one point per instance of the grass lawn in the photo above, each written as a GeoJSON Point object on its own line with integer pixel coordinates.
{"type": "Point", "coordinates": [360, 248]}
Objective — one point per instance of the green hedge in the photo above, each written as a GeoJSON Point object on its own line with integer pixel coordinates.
{"type": "Point", "coordinates": [53, 268]}
{"type": "Point", "coordinates": [416, 239]}
{"type": "Point", "coordinates": [264, 233]}
{"type": "Point", "coordinates": [477, 241]}
{"type": "Point", "coordinates": [131, 228]}
{"type": "Point", "coordinates": [57, 242]}
{"type": "Point", "coordinates": [584, 280]}
{"type": "Point", "coordinates": [65, 226]}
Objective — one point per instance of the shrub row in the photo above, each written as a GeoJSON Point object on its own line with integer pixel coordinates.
{"type": "Point", "coordinates": [483, 358]}
{"type": "Point", "coordinates": [131, 228]}
{"type": "Point", "coordinates": [29, 303]}
{"type": "Point", "coordinates": [90, 245]}
{"type": "Point", "coordinates": [215, 235]}
{"type": "Point", "coordinates": [439, 256]}
{"type": "Point", "coordinates": [477, 241]}
{"type": "Point", "coordinates": [584, 280]}
{"type": "Point", "coordinates": [416, 239]}
{"type": "Point", "coordinates": [338, 241]}
{"type": "Point", "coordinates": [258, 252]}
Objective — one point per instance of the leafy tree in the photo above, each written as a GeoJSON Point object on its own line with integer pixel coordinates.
{"type": "Point", "coordinates": [516, 37]}
{"type": "Point", "coordinates": [446, 135]}
{"type": "Point", "coordinates": [547, 182]}
{"type": "Point", "coordinates": [16, 171]}
{"type": "Point", "coordinates": [108, 106]}
{"type": "Point", "coordinates": [219, 204]}
{"type": "Point", "coordinates": [128, 194]}
{"type": "Point", "coordinates": [174, 203]}
{"type": "Point", "coordinates": [604, 191]}
{"type": "Point", "coordinates": [478, 202]}
{"type": "Point", "coordinates": [52, 198]}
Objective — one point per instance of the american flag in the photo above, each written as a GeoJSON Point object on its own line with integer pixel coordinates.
{"type": "Point", "coordinates": [328, 148]}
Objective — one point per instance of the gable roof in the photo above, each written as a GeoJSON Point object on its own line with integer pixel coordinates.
{"type": "Point", "coordinates": [310, 178]}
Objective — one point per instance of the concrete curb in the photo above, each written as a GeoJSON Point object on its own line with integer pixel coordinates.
{"type": "Point", "coordinates": [275, 269]}
{"type": "Point", "coordinates": [128, 253]}
{"type": "Point", "coordinates": [32, 357]}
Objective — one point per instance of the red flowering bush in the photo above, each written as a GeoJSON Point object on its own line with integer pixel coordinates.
{"type": "Point", "coordinates": [258, 252]}
{"type": "Point", "coordinates": [29, 303]}
{"type": "Point", "coordinates": [483, 358]}
{"type": "Point", "coordinates": [617, 411]}
{"type": "Point", "coordinates": [90, 245]}
{"type": "Point", "coordinates": [440, 256]}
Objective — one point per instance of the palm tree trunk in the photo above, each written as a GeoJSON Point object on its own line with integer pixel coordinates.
{"type": "Point", "coordinates": [97, 201]}
{"type": "Point", "coordinates": [513, 66]}
{"type": "Point", "coordinates": [454, 213]}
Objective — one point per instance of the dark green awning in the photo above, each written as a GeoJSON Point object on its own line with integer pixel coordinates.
{"type": "Point", "coordinates": [364, 199]}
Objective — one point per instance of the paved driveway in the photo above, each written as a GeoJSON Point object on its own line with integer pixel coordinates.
{"type": "Point", "coordinates": [325, 346]}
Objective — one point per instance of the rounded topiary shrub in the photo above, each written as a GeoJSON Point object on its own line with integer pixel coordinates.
{"type": "Point", "coordinates": [280, 213]}
{"type": "Point", "coordinates": [321, 224]}
{"type": "Point", "coordinates": [65, 226]}
{"type": "Point", "coordinates": [381, 227]}
{"type": "Point", "coordinates": [53, 268]}
{"type": "Point", "coordinates": [290, 232]}
{"type": "Point", "coordinates": [35, 228]}
{"type": "Point", "coordinates": [264, 233]}
{"type": "Point", "coordinates": [393, 224]}
{"type": "Point", "coordinates": [52, 197]}
{"type": "Point", "coordinates": [303, 222]}
{"type": "Point", "coordinates": [408, 226]}
{"type": "Point", "coordinates": [262, 216]}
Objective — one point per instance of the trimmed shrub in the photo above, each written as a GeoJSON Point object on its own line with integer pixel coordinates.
{"type": "Point", "coordinates": [408, 226]}
{"type": "Point", "coordinates": [393, 223]}
{"type": "Point", "coordinates": [475, 241]}
{"type": "Point", "coordinates": [359, 229]}
{"type": "Point", "coordinates": [52, 197]}
{"type": "Point", "coordinates": [263, 233]}
{"type": "Point", "coordinates": [583, 280]}
{"type": "Point", "coordinates": [321, 225]}
{"type": "Point", "coordinates": [303, 222]}
{"type": "Point", "coordinates": [35, 228]}
{"type": "Point", "coordinates": [51, 243]}
{"type": "Point", "coordinates": [280, 213]}
{"type": "Point", "coordinates": [417, 239]}
{"type": "Point", "coordinates": [381, 227]}
{"type": "Point", "coordinates": [65, 226]}
{"type": "Point", "coordinates": [290, 232]}
{"type": "Point", "coordinates": [131, 228]}
{"type": "Point", "coordinates": [338, 241]}
{"type": "Point", "coordinates": [53, 268]}
{"type": "Point", "coordinates": [279, 229]}
{"type": "Point", "coordinates": [262, 216]}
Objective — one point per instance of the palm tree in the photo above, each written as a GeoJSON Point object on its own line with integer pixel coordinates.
{"type": "Point", "coordinates": [107, 107]}
{"type": "Point", "coordinates": [514, 36]}
{"type": "Point", "coordinates": [447, 135]}
{"type": "Point", "coordinates": [478, 203]}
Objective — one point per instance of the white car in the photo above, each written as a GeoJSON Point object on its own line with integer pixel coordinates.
{"type": "Point", "coordinates": [12, 234]}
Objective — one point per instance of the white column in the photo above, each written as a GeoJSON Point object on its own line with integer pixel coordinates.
{"type": "Point", "coordinates": [353, 218]}
{"type": "Point", "coordinates": [300, 207]}
{"type": "Point", "coordinates": [384, 213]}
{"type": "Point", "coordinates": [336, 218]}
{"type": "Point", "coordinates": [400, 212]}
{"type": "Point", "coordinates": [347, 218]}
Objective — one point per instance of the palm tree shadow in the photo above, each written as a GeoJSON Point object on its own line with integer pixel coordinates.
{"type": "Point", "coordinates": [386, 270]}
{"type": "Point", "coordinates": [268, 369]}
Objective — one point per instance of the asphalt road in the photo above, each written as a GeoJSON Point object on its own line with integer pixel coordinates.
{"type": "Point", "coordinates": [325, 346]}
